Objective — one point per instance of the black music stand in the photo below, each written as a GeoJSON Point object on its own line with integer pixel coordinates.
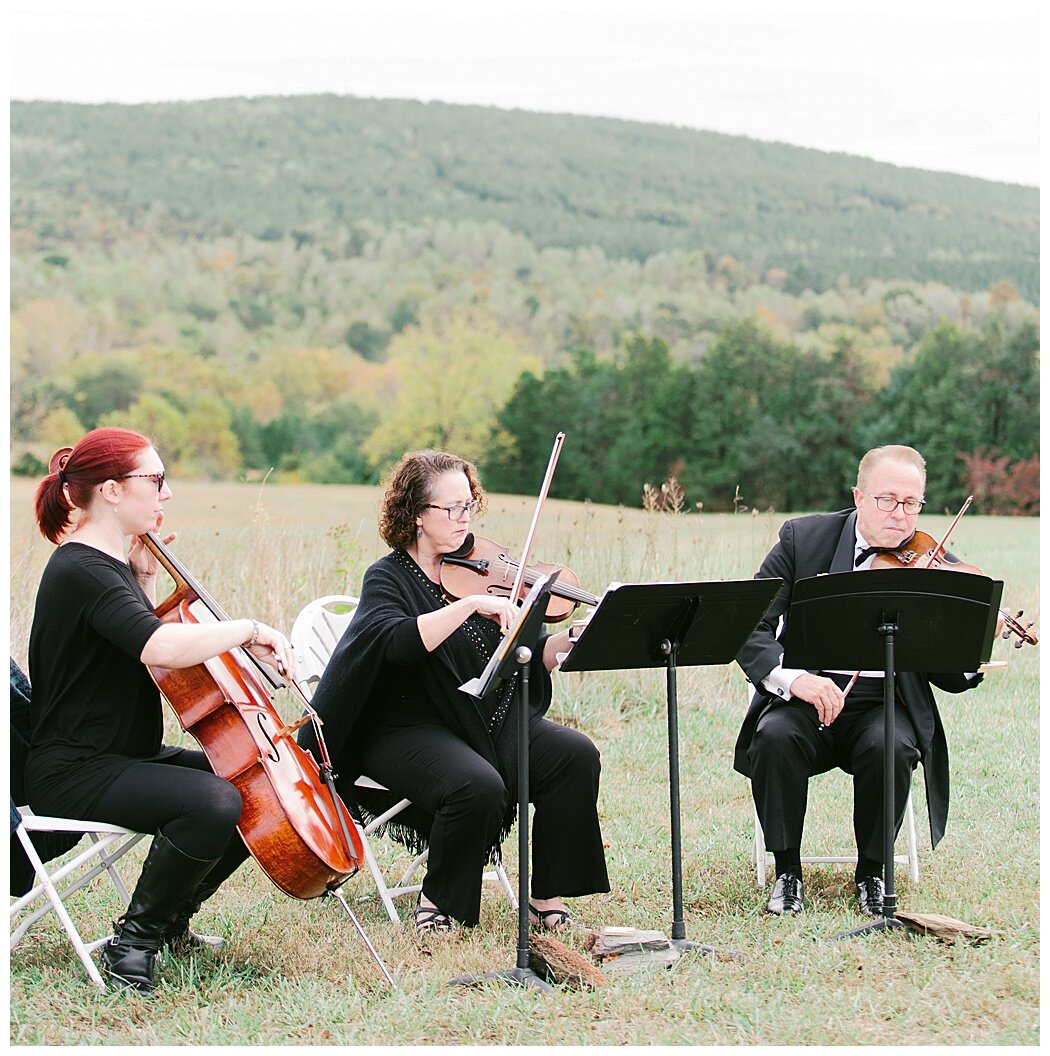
{"type": "Point", "coordinates": [514, 652]}
{"type": "Point", "coordinates": [889, 620]}
{"type": "Point", "coordinates": [672, 625]}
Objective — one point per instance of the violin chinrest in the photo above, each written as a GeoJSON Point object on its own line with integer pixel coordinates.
{"type": "Point", "coordinates": [465, 547]}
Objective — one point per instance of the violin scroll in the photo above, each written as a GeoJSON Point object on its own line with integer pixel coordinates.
{"type": "Point", "coordinates": [1012, 627]}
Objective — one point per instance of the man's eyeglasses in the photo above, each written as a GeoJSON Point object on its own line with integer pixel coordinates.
{"type": "Point", "coordinates": [157, 478]}
{"type": "Point", "coordinates": [888, 504]}
{"type": "Point", "coordinates": [455, 513]}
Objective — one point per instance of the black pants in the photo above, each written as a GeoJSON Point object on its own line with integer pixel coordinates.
{"type": "Point", "coordinates": [468, 799]}
{"type": "Point", "coordinates": [789, 747]}
{"type": "Point", "coordinates": [179, 795]}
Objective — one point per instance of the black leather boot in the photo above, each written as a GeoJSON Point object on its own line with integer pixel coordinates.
{"type": "Point", "coordinates": [167, 874]}
{"type": "Point", "coordinates": [180, 938]}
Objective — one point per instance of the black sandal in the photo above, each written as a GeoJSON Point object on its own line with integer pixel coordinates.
{"type": "Point", "coordinates": [551, 919]}
{"type": "Point", "coordinates": [430, 919]}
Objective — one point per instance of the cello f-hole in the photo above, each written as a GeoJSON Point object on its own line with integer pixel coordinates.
{"type": "Point", "coordinates": [275, 755]}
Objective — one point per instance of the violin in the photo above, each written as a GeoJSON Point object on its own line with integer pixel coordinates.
{"type": "Point", "coordinates": [923, 551]}
{"type": "Point", "coordinates": [481, 566]}
{"type": "Point", "coordinates": [296, 828]}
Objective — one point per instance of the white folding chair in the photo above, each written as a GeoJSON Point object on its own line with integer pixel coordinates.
{"type": "Point", "coordinates": [57, 880]}
{"type": "Point", "coordinates": [763, 861]}
{"type": "Point", "coordinates": [315, 634]}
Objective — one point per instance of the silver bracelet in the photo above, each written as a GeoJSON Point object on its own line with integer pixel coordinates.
{"type": "Point", "coordinates": [255, 635]}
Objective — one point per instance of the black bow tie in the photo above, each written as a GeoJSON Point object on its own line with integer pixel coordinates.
{"type": "Point", "coordinates": [868, 551]}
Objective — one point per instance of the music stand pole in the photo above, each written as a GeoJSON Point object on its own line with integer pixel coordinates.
{"type": "Point", "coordinates": [888, 921]}
{"type": "Point", "coordinates": [670, 650]}
{"type": "Point", "coordinates": [643, 625]}
{"type": "Point", "coordinates": [678, 939]}
{"type": "Point", "coordinates": [927, 620]}
{"type": "Point", "coordinates": [521, 974]}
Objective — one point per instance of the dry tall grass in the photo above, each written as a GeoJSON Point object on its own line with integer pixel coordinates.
{"type": "Point", "coordinates": [295, 974]}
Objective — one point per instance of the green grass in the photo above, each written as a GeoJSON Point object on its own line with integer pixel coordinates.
{"type": "Point", "coordinates": [295, 973]}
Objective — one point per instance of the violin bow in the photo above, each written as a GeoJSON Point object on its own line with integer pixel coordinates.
{"type": "Point", "coordinates": [523, 563]}
{"type": "Point", "coordinates": [939, 549]}
{"type": "Point", "coordinates": [1012, 624]}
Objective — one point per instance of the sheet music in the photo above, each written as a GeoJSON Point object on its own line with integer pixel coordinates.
{"type": "Point", "coordinates": [484, 683]}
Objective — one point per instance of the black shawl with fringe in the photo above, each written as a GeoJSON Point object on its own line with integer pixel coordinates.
{"type": "Point", "coordinates": [383, 632]}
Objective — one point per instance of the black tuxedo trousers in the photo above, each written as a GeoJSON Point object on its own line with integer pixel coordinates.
{"type": "Point", "coordinates": [790, 746]}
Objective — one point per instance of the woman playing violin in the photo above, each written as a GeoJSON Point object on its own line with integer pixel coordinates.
{"type": "Point", "coordinates": [96, 749]}
{"type": "Point", "coordinates": [393, 710]}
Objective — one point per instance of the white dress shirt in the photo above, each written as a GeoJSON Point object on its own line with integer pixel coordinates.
{"type": "Point", "coordinates": [779, 680]}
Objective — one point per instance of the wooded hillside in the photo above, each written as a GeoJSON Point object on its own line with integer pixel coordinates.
{"type": "Point", "coordinates": [314, 285]}
{"type": "Point", "coordinates": [275, 166]}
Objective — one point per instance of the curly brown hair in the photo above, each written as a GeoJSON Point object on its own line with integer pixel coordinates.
{"type": "Point", "coordinates": [409, 488]}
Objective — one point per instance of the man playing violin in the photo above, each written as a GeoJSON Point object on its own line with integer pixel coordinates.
{"type": "Point", "coordinates": [802, 723]}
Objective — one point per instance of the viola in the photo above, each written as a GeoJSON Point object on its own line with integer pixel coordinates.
{"type": "Point", "coordinates": [294, 826]}
{"type": "Point", "coordinates": [481, 566]}
{"type": "Point", "coordinates": [923, 551]}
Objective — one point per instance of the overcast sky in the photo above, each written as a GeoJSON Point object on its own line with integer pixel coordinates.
{"type": "Point", "coordinates": [938, 86]}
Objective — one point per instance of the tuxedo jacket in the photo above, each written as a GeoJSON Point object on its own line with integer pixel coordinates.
{"type": "Point", "coordinates": [809, 546]}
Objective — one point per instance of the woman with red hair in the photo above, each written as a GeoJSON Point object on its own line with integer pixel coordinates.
{"type": "Point", "coordinates": [96, 749]}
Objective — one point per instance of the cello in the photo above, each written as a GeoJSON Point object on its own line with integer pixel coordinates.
{"type": "Point", "coordinates": [293, 823]}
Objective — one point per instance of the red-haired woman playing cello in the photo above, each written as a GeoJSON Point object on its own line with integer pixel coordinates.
{"type": "Point", "coordinates": [96, 749]}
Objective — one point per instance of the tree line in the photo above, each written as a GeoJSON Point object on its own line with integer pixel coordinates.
{"type": "Point", "coordinates": [262, 286]}
{"type": "Point", "coordinates": [765, 424]}
{"type": "Point", "coordinates": [760, 422]}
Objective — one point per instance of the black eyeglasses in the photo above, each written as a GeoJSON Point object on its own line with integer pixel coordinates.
{"type": "Point", "coordinates": [455, 513]}
{"type": "Point", "coordinates": [157, 478]}
{"type": "Point", "coordinates": [888, 504]}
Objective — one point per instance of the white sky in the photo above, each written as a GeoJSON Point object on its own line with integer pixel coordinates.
{"type": "Point", "coordinates": [949, 87]}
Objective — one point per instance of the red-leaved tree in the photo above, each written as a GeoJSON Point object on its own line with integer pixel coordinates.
{"type": "Point", "coordinates": [1001, 487]}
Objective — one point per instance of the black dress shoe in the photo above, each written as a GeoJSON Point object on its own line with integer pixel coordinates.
{"type": "Point", "coordinates": [787, 895]}
{"type": "Point", "coordinates": [870, 890]}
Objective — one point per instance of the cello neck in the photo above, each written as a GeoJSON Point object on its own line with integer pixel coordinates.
{"type": "Point", "coordinates": [186, 585]}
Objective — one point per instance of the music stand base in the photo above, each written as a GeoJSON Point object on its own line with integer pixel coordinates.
{"type": "Point", "coordinates": [687, 946]}
{"type": "Point", "coordinates": [511, 976]}
{"type": "Point", "coordinates": [882, 924]}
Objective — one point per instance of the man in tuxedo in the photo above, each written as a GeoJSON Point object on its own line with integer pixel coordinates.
{"type": "Point", "coordinates": [800, 723]}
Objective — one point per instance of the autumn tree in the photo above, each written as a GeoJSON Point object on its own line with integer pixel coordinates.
{"type": "Point", "coordinates": [453, 375]}
{"type": "Point", "coordinates": [160, 420]}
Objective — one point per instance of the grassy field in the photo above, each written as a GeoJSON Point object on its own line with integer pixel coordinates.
{"type": "Point", "coordinates": [295, 973]}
